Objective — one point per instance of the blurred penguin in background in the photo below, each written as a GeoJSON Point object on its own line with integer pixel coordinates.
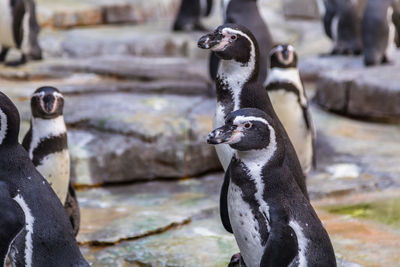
{"type": "Point", "coordinates": [190, 14]}
{"type": "Point", "coordinates": [380, 25]}
{"type": "Point", "coordinates": [342, 22]}
{"type": "Point", "coordinates": [246, 13]}
{"type": "Point", "coordinates": [19, 29]}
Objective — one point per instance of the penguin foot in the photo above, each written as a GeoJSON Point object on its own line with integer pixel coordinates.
{"type": "Point", "coordinates": [16, 63]}
{"type": "Point", "coordinates": [236, 261]}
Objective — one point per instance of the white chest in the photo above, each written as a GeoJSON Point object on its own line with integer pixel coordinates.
{"type": "Point", "coordinates": [245, 227]}
{"type": "Point", "coordinates": [6, 22]}
{"type": "Point", "coordinates": [290, 113]}
{"type": "Point", "coordinates": [224, 152]}
{"type": "Point", "coordinates": [55, 168]}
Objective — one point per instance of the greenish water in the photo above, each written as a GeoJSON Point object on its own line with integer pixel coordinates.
{"type": "Point", "coordinates": [385, 211]}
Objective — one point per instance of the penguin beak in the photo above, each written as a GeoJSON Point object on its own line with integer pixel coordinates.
{"type": "Point", "coordinates": [285, 54]}
{"type": "Point", "coordinates": [48, 103]}
{"type": "Point", "coordinates": [227, 134]}
{"type": "Point", "coordinates": [210, 40]}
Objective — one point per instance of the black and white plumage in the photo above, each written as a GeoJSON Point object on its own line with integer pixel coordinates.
{"type": "Point", "coordinates": [273, 222]}
{"type": "Point", "coordinates": [12, 221]}
{"type": "Point", "coordinates": [380, 24]}
{"type": "Point", "coordinates": [237, 85]}
{"type": "Point", "coordinates": [342, 23]}
{"type": "Point", "coordinates": [46, 143]}
{"type": "Point", "coordinates": [19, 29]}
{"type": "Point", "coordinates": [289, 99]}
{"type": "Point", "coordinates": [246, 13]}
{"type": "Point", "coordinates": [47, 238]}
{"type": "Point", "coordinates": [190, 14]}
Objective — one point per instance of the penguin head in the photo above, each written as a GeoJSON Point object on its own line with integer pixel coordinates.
{"type": "Point", "coordinates": [283, 56]}
{"type": "Point", "coordinates": [231, 42]}
{"type": "Point", "coordinates": [244, 130]}
{"type": "Point", "coordinates": [9, 121]}
{"type": "Point", "coordinates": [47, 103]}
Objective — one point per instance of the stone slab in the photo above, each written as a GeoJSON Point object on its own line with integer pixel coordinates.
{"type": "Point", "coordinates": [347, 87]}
{"type": "Point", "coordinates": [154, 39]}
{"type": "Point", "coordinates": [72, 13]}
{"type": "Point", "coordinates": [113, 214]}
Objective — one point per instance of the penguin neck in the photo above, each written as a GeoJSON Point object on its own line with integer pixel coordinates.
{"type": "Point", "coordinates": [46, 128]}
{"type": "Point", "coordinates": [233, 75]}
{"type": "Point", "coordinates": [289, 76]}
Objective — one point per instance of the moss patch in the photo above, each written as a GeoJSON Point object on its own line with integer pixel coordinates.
{"type": "Point", "coordinates": [385, 211]}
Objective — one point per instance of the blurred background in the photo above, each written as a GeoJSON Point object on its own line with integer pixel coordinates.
{"type": "Point", "coordinates": [139, 105]}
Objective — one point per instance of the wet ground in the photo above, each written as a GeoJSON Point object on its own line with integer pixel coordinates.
{"type": "Point", "coordinates": [138, 109]}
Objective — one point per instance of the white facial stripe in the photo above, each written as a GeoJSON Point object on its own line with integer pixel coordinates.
{"type": "Point", "coordinates": [244, 119]}
{"type": "Point", "coordinates": [3, 126]}
{"type": "Point", "coordinates": [29, 220]}
{"type": "Point", "coordinates": [302, 243]}
{"type": "Point", "coordinates": [40, 94]}
{"type": "Point", "coordinates": [279, 48]}
{"type": "Point", "coordinates": [57, 94]}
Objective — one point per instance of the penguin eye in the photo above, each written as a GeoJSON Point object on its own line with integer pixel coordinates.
{"type": "Point", "coordinates": [233, 37]}
{"type": "Point", "coordinates": [247, 125]}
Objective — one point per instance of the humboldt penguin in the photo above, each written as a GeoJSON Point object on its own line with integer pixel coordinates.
{"type": "Point", "coordinates": [190, 14]}
{"type": "Point", "coordinates": [46, 143]}
{"type": "Point", "coordinates": [289, 99]}
{"type": "Point", "coordinates": [273, 222]}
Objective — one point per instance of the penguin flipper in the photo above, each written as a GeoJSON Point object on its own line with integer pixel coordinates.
{"type": "Point", "coordinates": [26, 143]}
{"type": "Point", "coordinates": [328, 18]}
{"type": "Point", "coordinates": [281, 248]}
{"type": "Point", "coordinates": [223, 204]}
{"type": "Point", "coordinates": [213, 65]}
{"type": "Point", "coordinates": [11, 223]}
{"type": "Point", "coordinates": [72, 208]}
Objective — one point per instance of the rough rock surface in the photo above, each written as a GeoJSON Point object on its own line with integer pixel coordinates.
{"type": "Point", "coordinates": [347, 87]}
{"type": "Point", "coordinates": [71, 13]}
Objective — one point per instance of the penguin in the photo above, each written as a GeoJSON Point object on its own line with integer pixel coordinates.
{"type": "Point", "coordinates": [19, 29]}
{"type": "Point", "coordinates": [190, 13]}
{"type": "Point", "coordinates": [246, 13]}
{"type": "Point", "coordinates": [46, 143]}
{"type": "Point", "coordinates": [273, 222]}
{"type": "Point", "coordinates": [379, 30]}
{"type": "Point", "coordinates": [237, 85]}
{"type": "Point", "coordinates": [47, 238]}
{"type": "Point", "coordinates": [11, 223]}
{"type": "Point", "coordinates": [289, 99]}
{"type": "Point", "coordinates": [342, 20]}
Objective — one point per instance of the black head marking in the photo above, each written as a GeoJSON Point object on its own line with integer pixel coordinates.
{"type": "Point", "coordinates": [230, 42]}
{"type": "Point", "coordinates": [283, 56]}
{"type": "Point", "coordinates": [9, 121]}
{"type": "Point", "coordinates": [47, 103]}
{"type": "Point", "coordinates": [245, 129]}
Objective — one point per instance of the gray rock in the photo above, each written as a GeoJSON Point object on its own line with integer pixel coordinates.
{"type": "Point", "coordinates": [154, 39]}
{"type": "Point", "coordinates": [138, 137]}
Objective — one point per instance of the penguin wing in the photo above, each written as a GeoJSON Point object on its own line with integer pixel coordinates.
{"type": "Point", "coordinates": [330, 12]}
{"type": "Point", "coordinates": [223, 203]}
{"type": "Point", "coordinates": [213, 65]}
{"type": "Point", "coordinates": [282, 246]}
{"type": "Point", "coordinates": [310, 126]}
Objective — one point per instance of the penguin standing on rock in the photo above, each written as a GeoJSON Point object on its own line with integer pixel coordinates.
{"type": "Point", "coordinates": [342, 22]}
{"type": "Point", "coordinates": [46, 143]}
{"type": "Point", "coordinates": [273, 222]}
{"type": "Point", "coordinates": [246, 13]}
{"type": "Point", "coordinates": [190, 13]}
{"type": "Point", "coordinates": [380, 25]}
{"type": "Point", "coordinates": [289, 99]}
{"type": "Point", "coordinates": [12, 221]}
{"type": "Point", "coordinates": [47, 238]}
{"type": "Point", "coordinates": [19, 29]}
